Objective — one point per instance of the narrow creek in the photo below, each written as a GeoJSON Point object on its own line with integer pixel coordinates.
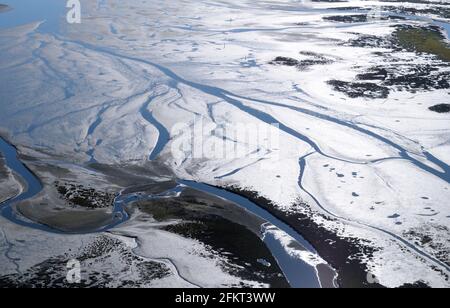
{"type": "Point", "coordinates": [298, 272]}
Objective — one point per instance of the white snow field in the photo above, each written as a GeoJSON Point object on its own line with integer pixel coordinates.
{"type": "Point", "coordinates": [118, 84]}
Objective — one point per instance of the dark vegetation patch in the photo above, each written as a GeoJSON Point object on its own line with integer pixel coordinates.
{"type": "Point", "coordinates": [398, 74]}
{"type": "Point", "coordinates": [371, 41]}
{"type": "Point", "coordinates": [340, 253]}
{"type": "Point", "coordinates": [347, 18]}
{"type": "Point", "coordinates": [431, 10]}
{"type": "Point", "coordinates": [421, 2]}
{"type": "Point", "coordinates": [343, 254]}
{"type": "Point", "coordinates": [97, 270]}
{"type": "Point", "coordinates": [428, 237]}
{"type": "Point", "coordinates": [423, 40]}
{"type": "Point", "coordinates": [285, 61]}
{"type": "Point", "coordinates": [78, 195]}
{"type": "Point", "coordinates": [360, 89]}
{"type": "Point", "coordinates": [427, 40]}
{"type": "Point", "coordinates": [355, 18]}
{"type": "Point", "coordinates": [440, 108]}
{"type": "Point", "coordinates": [330, 1]}
{"type": "Point", "coordinates": [312, 59]}
{"type": "Point", "coordinates": [416, 285]}
{"type": "Point", "coordinates": [411, 78]}
{"type": "Point", "coordinates": [347, 8]}
{"type": "Point", "coordinates": [243, 249]}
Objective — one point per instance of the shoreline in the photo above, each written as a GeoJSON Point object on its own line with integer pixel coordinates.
{"type": "Point", "coordinates": [336, 251]}
{"type": "Point", "coordinates": [220, 225]}
{"type": "Point", "coordinates": [333, 249]}
{"type": "Point", "coordinates": [87, 212]}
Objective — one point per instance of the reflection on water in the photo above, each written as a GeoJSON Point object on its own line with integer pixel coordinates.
{"type": "Point", "coordinates": [445, 26]}
{"type": "Point", "coordinates": [26, 11]}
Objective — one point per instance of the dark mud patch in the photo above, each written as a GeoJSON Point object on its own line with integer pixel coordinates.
{"type": "Point", "coordinates": [104, 263]}
{"type": "Point", "coordinates": [151, 189]}
{"type": "Point", "coordinates": [133, 175]}
{"type": "Point", "coordinates": [87, 197]}
{"type": "Point", "coordinates": [233, 235]}
{"type": "Point", "coordinates": [70, 221]}
{"type": "Point", "coordinates": [441, 108]}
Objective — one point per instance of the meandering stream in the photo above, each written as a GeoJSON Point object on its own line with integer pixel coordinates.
{"type": "Point", "coordinates": [298, 272]}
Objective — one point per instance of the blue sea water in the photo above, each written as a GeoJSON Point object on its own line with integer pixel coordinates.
{"type": "Point", "coordinates": [50, 12]}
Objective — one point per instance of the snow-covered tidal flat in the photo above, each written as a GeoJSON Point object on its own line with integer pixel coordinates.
{"type": "Point", "coordinates": [340, 178]}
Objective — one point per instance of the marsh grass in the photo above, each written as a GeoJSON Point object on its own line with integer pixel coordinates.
{"type": "Point", "coordinates": [426, 40]}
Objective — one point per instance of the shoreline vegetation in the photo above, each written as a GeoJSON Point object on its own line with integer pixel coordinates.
{"type": "Point", "coordinates": [202, 217]}
{"type": "Point", "coordinates": [337, 251]}
{"type": "Point", "coordinates": [73, 209]}
{"type": "Point", "coordinates": [123, 203]}
{"type": "Point", "coordinates": [221, 225]}
{"type": "Point", "coordinates": [332, 248]}
{"type": "Point", "coordinates": [424, 40]}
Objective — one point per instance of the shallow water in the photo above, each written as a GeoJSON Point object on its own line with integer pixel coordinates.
{"type": "Point", "coordinates": [299, 273]}
{"type": "Point", "coordinates": [445, 26]}
{"type": "Point", "coordinates": [33, 185]}
{"type": "Point", "coordinates": [50, 12]}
